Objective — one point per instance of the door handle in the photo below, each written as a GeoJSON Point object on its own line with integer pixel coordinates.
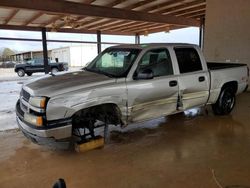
{"type": "Point", "coordinates": [173, 83]}
{"type": "Point", "coordinates": [201, 78]}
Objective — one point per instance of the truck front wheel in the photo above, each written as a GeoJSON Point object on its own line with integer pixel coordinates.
{"type": "Point", "coordinates": [225, 102]}
{"type": "Point", "coordinates": [54, 70]}
{"type": "Point", "coordinates": [20, 72]}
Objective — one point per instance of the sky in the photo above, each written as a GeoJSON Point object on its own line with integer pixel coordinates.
{"type": "Point", "coordinates": [186, 35]}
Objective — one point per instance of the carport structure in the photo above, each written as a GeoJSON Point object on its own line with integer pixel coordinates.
{"type": "Point", "coordinates": [115, 17]}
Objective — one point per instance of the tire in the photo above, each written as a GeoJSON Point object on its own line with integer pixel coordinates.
{"type": "Point", "coordinates": [20, 72]}
{"type": "Point", "coordinates": [225, 102]}
{"type": "Point", "coordinates": [29, 74]}
{"type": "Point", "coordinates": [54, 70]}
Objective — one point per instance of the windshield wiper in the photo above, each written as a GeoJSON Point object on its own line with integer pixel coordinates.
{"type": "Point", "coordinates": [99, 72]}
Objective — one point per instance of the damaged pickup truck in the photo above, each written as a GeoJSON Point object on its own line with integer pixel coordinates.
{"type": "Point", "coordinates": [126, 84]}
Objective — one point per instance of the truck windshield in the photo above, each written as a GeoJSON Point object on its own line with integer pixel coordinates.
{"type": "Point", "coordinates": [113, 62]}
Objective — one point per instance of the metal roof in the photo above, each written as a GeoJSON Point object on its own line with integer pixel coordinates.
{"type": "Point", "coordinates": [122, 17]}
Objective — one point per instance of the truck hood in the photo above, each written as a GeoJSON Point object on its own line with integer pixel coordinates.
{"type": "Point", "coordinates": [65, 82]}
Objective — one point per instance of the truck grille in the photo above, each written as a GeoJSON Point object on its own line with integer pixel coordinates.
{"type": "Point", "coordinates": [25, 94]}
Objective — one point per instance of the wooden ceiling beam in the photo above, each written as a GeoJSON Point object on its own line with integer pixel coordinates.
{"type": "Point", "coordinates": [135, 29]}
{"type": "Point", "coordinates": [155, 8]}
{"type": "Point", "coordinates": [92, 21]}
{"type": "Point", "coordinates": [64, 30]}
{"type": "Point", "coordinates": [138, 4]}
{"type": "Point", "coordinates": [162, 26]}
{"type": "Point", "coordinates": [66, 7]}
{"type": "Point", "coordinates": [53, 20]}
{"type": "Point", "coordinates": [105, 24]}
{"type": "Point", "coordinates": [189, 11]}
{"type": "Point", "coordinates": [156, 30]}
{"type": "Point", "coordinates": [201, 12]}
{"type": "Point", "coordinates": [112, 4]}
{"type": "Point", "coordinates": [88, 1]}
{"type": "Point", "coordinates": [181, 7]}
{"type": "Point", "coordinates": [131, 26]}
{"type": "Point", "coordinates": [13, 13]}
{"type": "Point", "coordinates": [125, 24]}
{"type": "Point", "coordinates": [36, 16]}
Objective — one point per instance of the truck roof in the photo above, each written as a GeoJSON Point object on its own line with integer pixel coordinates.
{"type": "Point", "coordinates": [149, 45]}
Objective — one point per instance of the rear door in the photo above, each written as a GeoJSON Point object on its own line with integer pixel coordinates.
{"type": "Point", "coordinates": [151, 98]}
{"type": "Point", "coordinates": [38, 65]}
{"type": "Point", "coordinates": [193, 80]}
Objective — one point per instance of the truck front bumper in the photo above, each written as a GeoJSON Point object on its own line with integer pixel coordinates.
{"type": "Point", "coordinates": [56, 136]}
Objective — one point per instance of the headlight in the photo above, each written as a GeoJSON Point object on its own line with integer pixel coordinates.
{"type": "Point", "coordinates": [39, 102]}
{"type": "Point", "coordinates": [34, 120]}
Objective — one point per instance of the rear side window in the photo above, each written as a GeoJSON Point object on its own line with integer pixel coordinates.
{"type": "Point", "coordinates": [188, 60]}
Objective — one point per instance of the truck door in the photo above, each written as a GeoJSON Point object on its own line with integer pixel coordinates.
{"type": "Point", "coordinates": [193, 79]}
{"type": "Point", "coordinates": [157, 96]}
{"type": "Point", "coordinates": [38, 65]}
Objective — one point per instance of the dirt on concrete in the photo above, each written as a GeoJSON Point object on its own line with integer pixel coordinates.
{"type": "Point", "coordinates": [194, 149]}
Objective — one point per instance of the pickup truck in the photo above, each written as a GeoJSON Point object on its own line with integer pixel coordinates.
{"type": "Point", "coordinates": [37, 65]}
{"type": "Point", "coordinates": [126, 84]}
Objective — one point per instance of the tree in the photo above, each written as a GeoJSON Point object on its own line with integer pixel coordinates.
{"type": "Point", "coordinates": [7, 53]}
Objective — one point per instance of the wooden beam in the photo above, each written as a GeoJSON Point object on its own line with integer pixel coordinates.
{"type": "Point", "coordinates": [148, 26]}
{"type": "Point", "coordinates": [160, 29]}
{"type": "Point", "coordinates": [59, 41]}
{"type": "Point", "coordinates": [130, 7]}
{"type": "Point", "coordinates": [105, 24]}
{"type": "Point", "coordinates": [53, 20]}
{"type": "Point", "coordinates": [201, 16]}
{"type": "Point", "coordinates": [132, 26]}
{"type": "Point", "coordinates": [138, 4]}
{"type": "Point", "coordinates": [39, 14]}
{"type": "Point", "coordinates": [113, 3]}
{"type": "Point", "coordinates": [66, 7]}
{"type": "Point", "coordinates": [194, 14]}
{"type": "Point", "coordinates": [191, 10]}
{"type": "Point", "coordinates": [88, 1]}
{"type": "Point", "coordinates": [161, 5]}
{"type": "Point", "coordinates": [114, 26]}
{"type": "Point", "coordinates": [14, 12]}
{"type": "Point", "coordinates": [181, 7]}
{"type": "Point", "coordinates": [125, 24]}
{"type": "Point", "coordinates": [63, 30]}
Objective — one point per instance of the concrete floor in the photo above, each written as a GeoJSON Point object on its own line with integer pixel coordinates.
{"type": "Point", "coordinates": [192, 150]}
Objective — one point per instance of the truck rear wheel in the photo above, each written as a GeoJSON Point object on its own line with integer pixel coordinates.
{"type": "Point", "coordinates": [20, 72]}
{"type": "Point", "coordinates": [225, 102]}
{"type": "Point", "coordinates": [29, 73]}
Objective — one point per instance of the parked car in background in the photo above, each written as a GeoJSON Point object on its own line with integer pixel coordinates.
{"type": "Point", "coordinates": [37, 65]}
{"type": "Point", "coordinates": [7, 64]}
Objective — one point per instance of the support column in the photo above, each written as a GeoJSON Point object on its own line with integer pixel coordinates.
{"type": "Point", "coordinates": [137, 39]}
{"type": "Point", "coordinates": [45, 52]}
{"type": "Point", "coordinates": [99, 42]}
{"type": "Point", "coordinates": [201, 33]}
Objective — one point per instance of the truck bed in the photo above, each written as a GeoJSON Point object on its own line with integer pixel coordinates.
{"type": "Point", "coordinates": [216, 66]}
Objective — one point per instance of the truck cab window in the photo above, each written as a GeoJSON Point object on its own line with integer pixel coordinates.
{"type": "Point", "coordinates": [157, 60]}
{"type": "Point", "coordinates": [188, 60]}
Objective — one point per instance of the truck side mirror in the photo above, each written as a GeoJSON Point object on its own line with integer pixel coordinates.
{"type": "Point", "coordinates": [145, 74]}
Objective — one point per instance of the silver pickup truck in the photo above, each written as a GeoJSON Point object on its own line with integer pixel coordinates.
{"type": "Point", "coordinates": [123, 85]}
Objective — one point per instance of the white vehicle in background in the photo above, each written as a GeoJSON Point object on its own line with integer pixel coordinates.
{"type": "Point", "coordinates": [123, 85]}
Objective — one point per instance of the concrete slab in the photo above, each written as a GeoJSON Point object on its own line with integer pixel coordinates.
{"type": "Point", "coordinates": [185, 150]}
